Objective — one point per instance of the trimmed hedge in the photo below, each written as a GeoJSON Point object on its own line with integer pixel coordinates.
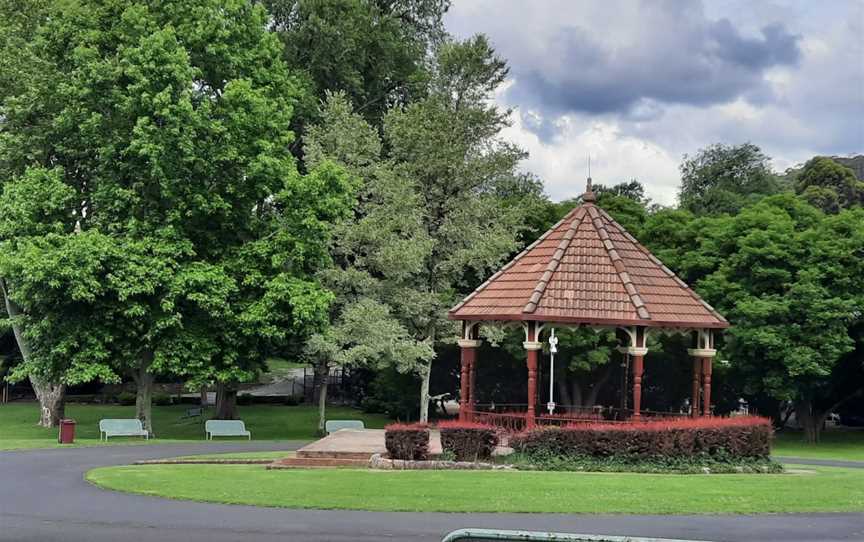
{"type": "Point", "coordinates": [468, 441]}
{"type": "Point", "coordinates": [407, 441]}
{"type": "Point", "coordinates": [715, 438]}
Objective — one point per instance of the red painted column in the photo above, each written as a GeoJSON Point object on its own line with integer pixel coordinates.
{"type": "Point", "coordinates": [533, 346]}
{"type": "Point", "coordinates": [706, 386]}
{"type": "Point", "coordinates": [532, 386]}
{"type": "Point", "coordinates": [637, 385]}
{"type": "Point", "coordinates": [472, 398]}
{"type": "Point", "coordinates": [697, 377]}
{"type": "Point", "coordinates": [469, 354]}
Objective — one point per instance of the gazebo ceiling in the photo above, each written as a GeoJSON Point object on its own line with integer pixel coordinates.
{"type": "Point", "coordinates": [588, 270]}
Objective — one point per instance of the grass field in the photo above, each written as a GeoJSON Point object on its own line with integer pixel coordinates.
{"type": "Point", "coordinates": [18, 427]}
{"type": "Point", "coordinates": [843, 444]}
{"type": "Point", "coordinates": [810, 490]}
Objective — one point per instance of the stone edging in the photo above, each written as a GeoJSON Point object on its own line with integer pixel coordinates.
{"type": "Point", "coordinates": [377, 461]}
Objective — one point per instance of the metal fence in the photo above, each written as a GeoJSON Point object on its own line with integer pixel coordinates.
{"type": "Point", "coordinates": [472, 535]}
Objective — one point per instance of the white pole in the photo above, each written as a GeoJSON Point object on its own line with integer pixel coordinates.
{"type": "Point", "coordinates": [553, 348]}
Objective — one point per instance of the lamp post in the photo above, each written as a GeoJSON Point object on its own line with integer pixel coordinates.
{"type": "Point", "coordinates": [553, 348]}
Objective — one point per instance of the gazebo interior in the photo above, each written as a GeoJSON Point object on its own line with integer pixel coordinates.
{"type": "Point", "coordinates": [586, 271]}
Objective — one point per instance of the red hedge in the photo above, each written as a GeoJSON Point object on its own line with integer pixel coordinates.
{"type": "Point", "coordinates": [468, 441]}
{"type": "Point", "coordinates": [742, 437]}
{"type": "Point", "coordinates": [407, 441]}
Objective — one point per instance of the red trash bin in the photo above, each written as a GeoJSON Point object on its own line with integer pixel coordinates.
{"type": "Point", "coordinates": [67, 431]}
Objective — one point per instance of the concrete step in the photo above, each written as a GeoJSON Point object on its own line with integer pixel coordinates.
{"type": "Point", "coordinates": [332, 454]}
{"type": "Point", "coordinates": [317, 462]}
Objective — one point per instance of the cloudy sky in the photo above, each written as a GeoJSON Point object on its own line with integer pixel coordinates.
{"type": "Point", "coordinates": [637, 84]}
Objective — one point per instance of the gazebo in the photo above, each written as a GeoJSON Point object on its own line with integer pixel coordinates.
{"type": "Point", "coordinates": [588, 271]}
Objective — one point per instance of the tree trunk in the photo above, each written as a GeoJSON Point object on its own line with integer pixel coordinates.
{"type": "Point", "coordinates": [564, 393]}
{"type": "Point", "coordinates": [226, 402]}
{"type": "Point", "coordinates": [576, 394]}
{"type": "Point", "coordinates": [322, 397]}
{"type": "Point", "coordinates": [425, 375]}
{"type": "Point", "coordinates": [809, 420]}
{"type": "Point", "coordinates": [144, 391]}
{"type": "Point", "coordinates": [52, 401]}
{"type": "Point", "coordinates": [51, 395]}
{"type": "Point", "coordinates": [203, 400]}
{"type": "Point", "coordinates": [591, 399]}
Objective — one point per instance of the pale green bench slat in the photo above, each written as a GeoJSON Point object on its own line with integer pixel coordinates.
{"type": "Point", "coordinates": [331, 426]}
{"type": "Point", "coordinates": [122, 428]}
{"type": "Point", "coordinates": [226, 428]}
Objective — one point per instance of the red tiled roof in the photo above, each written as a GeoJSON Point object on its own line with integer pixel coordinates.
{"type": "Point", "coordinates": [588, 269]}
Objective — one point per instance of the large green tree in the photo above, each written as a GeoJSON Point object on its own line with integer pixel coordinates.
{"type": "Point", "coordinates": [724, 178]}
{"type": "Point", "coordinates": [191, 239]}
{"type": "Point", "coordinates": [374, 52]}
{"type": "Point", "coordinates": [790, 281]}
{"type": "Point", "coordinates": [439, 207]}
{"type": "Point", "coordinates": [829, 185]}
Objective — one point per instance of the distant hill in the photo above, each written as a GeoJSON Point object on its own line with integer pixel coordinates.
{"type": "Point", "coordinates": [855, 163]}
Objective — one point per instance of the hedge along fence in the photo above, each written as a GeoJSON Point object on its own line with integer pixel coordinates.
{"type": "Point", "coordinates": [468, 441]}
{"type": "Point", "coordinates": [747, 437]}
{"type": "Point", "coordinates": [407, 441]}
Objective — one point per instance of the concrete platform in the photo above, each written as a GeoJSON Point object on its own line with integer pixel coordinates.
{"type": "Point", "coordinates": [346, 448]}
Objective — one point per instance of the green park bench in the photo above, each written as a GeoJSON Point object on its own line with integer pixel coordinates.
{"type": "Point", "coordinates": [335, 425]}
{"type": "Point", "coordinates": [122, 428]}
{"type": "Point", "coordinates": [226, 428]}
{"type": "Point", "coordinates": [193, 413]}
{"type": "Point", "coordinates": [472, 535]}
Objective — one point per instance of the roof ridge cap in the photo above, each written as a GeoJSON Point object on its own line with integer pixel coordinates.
{"type": "Point", "coordinates": [518, 257]}
{"type": "Point", "coordinates": [597, 220]}
{"type": "Point", "coordinates": [654, 259]}
{"type": "Point", "coordinates": [553, 264]}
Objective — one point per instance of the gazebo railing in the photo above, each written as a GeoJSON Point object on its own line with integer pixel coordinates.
{"type": "Point", "coordinates": [511, 418]}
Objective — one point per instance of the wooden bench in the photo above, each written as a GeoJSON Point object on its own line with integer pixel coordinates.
{"type": "Point", "coordinates": [122, 428]}
{"type": "Point", "coordinates": [335, 425]}
{"type": "Point", "coordinates": [226, 428]}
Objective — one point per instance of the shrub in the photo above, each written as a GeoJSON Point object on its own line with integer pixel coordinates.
{"type": "Point", "coordinates": [407, 441]}
{"type": "Point", "coordinates": [244, 399]}
{"type": "Point", "coordinates": [715, 438]}
{"type": "Point", "coordinates": [468, 441]}
{"type": "Point", "coordinates": [292, 400]}
{"type": "Point", "coordinates": [126, 398]}
{"type": "Point", "coordinates": [161, 399]}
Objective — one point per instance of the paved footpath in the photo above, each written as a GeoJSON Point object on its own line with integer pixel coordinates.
{"type": "Point", "coordinates": [44, 498]}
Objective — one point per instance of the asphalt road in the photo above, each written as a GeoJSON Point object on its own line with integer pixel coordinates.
{"type": "Point", "coordinates": [44, 498]}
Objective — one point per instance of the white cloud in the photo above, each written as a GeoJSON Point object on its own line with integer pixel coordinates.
{"type": "Point", "coordinates": [791, 109]}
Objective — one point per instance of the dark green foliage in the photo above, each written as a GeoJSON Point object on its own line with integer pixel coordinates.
{"type": "Point", "coordinates": [714, 438]}
{"type": "Point", "coordinates": [468, 441]}
{"type": "Point", "coordinates": [126, 398]}
{"type": "Point", "coordinates": [161, 399]}
{"type": "Point", "coordinates": [653, 465]}
{"type": "Point", "coordinates": [410, 442]}
{"type": "Point", "coordinates": [724, 178]}
{"type": "Point", "coordinates": [829, 185]}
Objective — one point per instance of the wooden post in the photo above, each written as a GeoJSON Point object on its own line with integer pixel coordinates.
{"type": "Point", "coordinates": [472, 374]}
{"type": "Point", "coordinates": [532, 387]}
{"type": "Point", "coordinates": [533, 347]}
{"type": "Point", "coordinates": [637, 385]}
{"type": "Point", "coordinates": [468, 357]}
{"type": "Point", "coordinates": [706, 386]}
{"type": "Point", "coordinates": [697, 377]}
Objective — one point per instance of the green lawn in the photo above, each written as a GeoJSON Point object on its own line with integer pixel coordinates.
{"type": "Point", "coordinates": [18, 427]}
{"type": "Point", "coordinates": [843, 444]}
{"type": "Point", "coordinates": [814, 490]}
